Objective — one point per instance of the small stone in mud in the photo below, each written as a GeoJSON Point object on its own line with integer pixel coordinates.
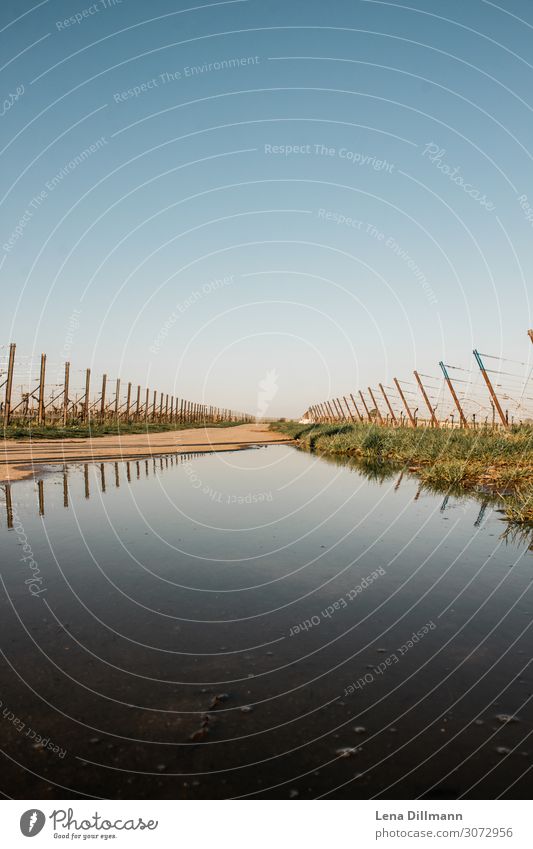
{"type": "Point", "coordinates": [505, 718]}
{"type": "Point", "coordinates": [246, 709]}
{"type": "Point", "coordinates": [348, 751]}
{"type": "Point", "coordinates": [392, 730]}
{"type": "Point", "coordinates": [161, 767]}
{"type": "Point", "coordinates": [218, 699]}
{"type": "Point", "coordinates": [478, 722]}
{"type": "Point", "coordinates": [201, 734]}
{"type": "Point", "coordinates": [293, 794]}
{"type": "Point", "coordinates": [502, 750]}
{"type": "Point", "coordinates": [359, 729]}
{"type": "Point", "coordinates": [382, 651]}
{"type": "Point", "coordinates": [94, 740]}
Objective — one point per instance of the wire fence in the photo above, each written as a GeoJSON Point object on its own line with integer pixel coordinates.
{"type": "Point", "coordinates": [71, 397]}
{"type": "Point", "coordinates": [492, 391]}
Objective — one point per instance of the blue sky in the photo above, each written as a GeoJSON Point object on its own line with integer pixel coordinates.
{"type": "Point", "coordinates": [196, 196]}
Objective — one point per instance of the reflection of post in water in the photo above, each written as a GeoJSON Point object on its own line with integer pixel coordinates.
{"type": "Point", "coordinates": [117, 476]}
{"type": "Point", "coordinates": [444, 504]}
{"type": "Point", "coordinates": [128, 471]}
{"type": "Point", "coordinates": [102, 476]}
{"type": "Point", "coordinates": [481, 514]}
{"type": "Point", "coordinates": [40, 490]}
{"type": "Point", "coordinates": [65, 488]}
{"type": "Point", "coordinates": [86, 479]}
{"type": "Point", "coordinates": [146, 468]}
{"type": "Point", "coordinates": [9, 506]}
{"type": "Point", "coordinates": [419, 490]}
{"type": "Point", "coordinates": [398, 482]}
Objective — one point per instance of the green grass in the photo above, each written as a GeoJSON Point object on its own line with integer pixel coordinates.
{"type": "Point", "coordinates": [75, 430]}
{"type": "Point", "coordinates": [485, 462]}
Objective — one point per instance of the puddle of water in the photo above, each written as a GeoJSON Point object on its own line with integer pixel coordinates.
{"type": "Point", "coordinates": [260, 623]}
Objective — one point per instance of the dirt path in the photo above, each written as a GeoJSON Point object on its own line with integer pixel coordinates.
{"type": "Point", "coordinates": [17, 458]}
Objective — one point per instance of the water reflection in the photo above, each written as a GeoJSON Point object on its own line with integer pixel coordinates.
{"type": "Point", "coordinates": [260, 623]}
{"type": "Point", "coordinates": [381, 472]}
{"type": "Point", "coordinates": [105, 470]}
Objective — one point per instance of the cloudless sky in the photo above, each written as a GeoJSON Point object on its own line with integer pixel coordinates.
{"type": "Point", "coordinates": [344, 203]}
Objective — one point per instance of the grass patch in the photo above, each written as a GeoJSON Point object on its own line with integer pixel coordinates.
{"type": "Point", "coordinates": [483, 462]}
{"type": "Point", "coordinates": [81, 431]}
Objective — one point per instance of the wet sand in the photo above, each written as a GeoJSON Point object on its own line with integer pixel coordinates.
{"type": "Point", "coordinates": [17, 458]}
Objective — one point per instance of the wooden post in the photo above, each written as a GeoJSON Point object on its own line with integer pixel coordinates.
{"type": "Point", "coordinates": [117, 398]}
{"type": "Point", "coordinates": [348, 408]}
{"type": "Point", "coordinates": [391, 411]}
{"type": "Point", "coordinates": [490, 387]}
{"type": "Point", "coordinates": [406, 405]}
{"type": "Point", "coordinates": [462, 417]}
{"type": "Point", "coordinates": [161, 407]}
{"type": "Point", "coordinates": [40, 409]}
{"type": "Point", "coordinates": [172, 409]}
{"type": "Point", "coordinates": [343, 414]}
{"type": "Point", "coordinates": [362, 397]}
{"type": "Point", "coordinates": [375, 403]}
{"type": "Point", "coordinates": [128, 402]}
{"type": "Point", "coordinates": [146, 405]}
{"type": "Point", "coordinates": [338, 408]}
{"type": "Point", "coordinates": [86, 480]}
{"type": "Point", "coordinates": [9, 383]}
{"type": "Point", "coordinates": [138, 405]}
{"type": "Point", "coordinates": [86, 403]}
{"type": "Point", "coordinates": [154, 405]}
{"type": "Point", "coordinates": [356, 408]}
{"type": "Point", "coordinates": [65, 394]}
{"type": "Point", "coordinates": [166, 408]}
{"type": "Point", "coordinates": [102, 400]}
{"type": "Point", "coordinates": [434, 422]}
{"type": "Point", "coordinates": [40, 489]}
